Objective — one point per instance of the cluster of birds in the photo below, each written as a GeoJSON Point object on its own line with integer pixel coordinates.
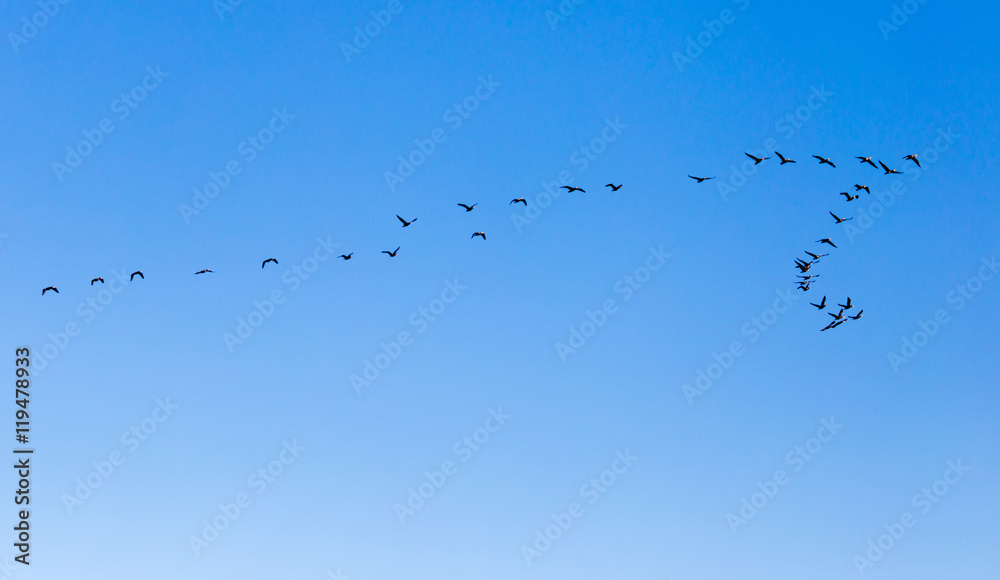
{"type": "Point", "coordinates": [391, 254]}
{"type": "Point", "coordinates": [805, 280]}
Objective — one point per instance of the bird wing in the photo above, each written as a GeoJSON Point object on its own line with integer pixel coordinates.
{"type": "Point", "coordinates": [401, 219]}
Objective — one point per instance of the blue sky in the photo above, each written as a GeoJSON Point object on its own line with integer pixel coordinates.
{"type": "Point", "coordinates": [355, 382]}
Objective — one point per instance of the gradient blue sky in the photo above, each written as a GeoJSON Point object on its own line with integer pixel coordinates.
{"type": "Point", "coordinates": [323, 176]}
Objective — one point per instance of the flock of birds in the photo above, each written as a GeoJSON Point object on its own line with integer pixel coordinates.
{"type": "Point", "coordinates": [391, 254]}
{"type": "Point", "coordinates": [805, 280]}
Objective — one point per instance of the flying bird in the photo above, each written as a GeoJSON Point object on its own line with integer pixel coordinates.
{"type": "Point", "coordinates": [264, 263]}
{"type": "Point", "coordinates": [826, 160]}
{"type": "Point", "coordinates": [98, 279]}
{"type": "Point", "coordinates": [858, 315]}
{"type": "Point", "coordinates": [480, 234]}
{"type": "Point", "coordinates": [469, 207]}
{"type": "Point", "coordinates": [346, 256]}
{"type": "Point", "coordinates": [784, 160]}
{"type": "Point", "coordinates": [136, 273]}
{"type": "Point", "coordinates": [518, 200]}
{"type": "Point", "coordinates": [839, 219]}
{"type": "Point", "coordinates": [817, 256]}
{"type": "Point", "coordinates": [864, 187]}
{"type": "Point", "coordinates": [826, 241]}
{"type": "Point", "coordinates": [913, 158]}
{"type": "Point", "coordinates": [572, 189]}
{"type": "Point", "coordinates": [804, 286]}
{"type": "Point", "coordinates": [393, 253]}
{"type": "Point", "coordinates": [756, 160]}
{"type": "Point", "coordinates": [614, 187]}
{"type": "Point", "coordinates": [205, 271]}
{"type": "Point", "coordinates": [887, 170]}
{"type": "Point", "coordinates": [52, 288]}
{"type": "Point", "coordinates": [847, 306]}
{"type": "Point", "coordinates": [837, 316]}
{"type": "Point", "coordinates": [821, 305]}
{"type": "Point", "coordinates": [405, 223]}
{"type": "Point", "coordinates": [849, 196]}
{"type": "Point", "coordinates": [809, 277]}
{"type": "Point", "coordinates": [867, 160]}
{"type": "Point", "coordinates": [700, 179]}
{"type": "Point", "coordinates": [833, 324]}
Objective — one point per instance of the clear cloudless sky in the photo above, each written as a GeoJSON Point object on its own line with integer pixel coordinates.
{"type": "Point", "coordinates": [548, 89]}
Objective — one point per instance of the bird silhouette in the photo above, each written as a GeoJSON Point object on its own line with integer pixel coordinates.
{"type": "Point", "coordinates": [346, 256]}
{"type": "Point", "coordinates": [469, 207]}
{"type": "Point", "coordinates": [864, 187]}
{"type": "Point", "coordinates": [264, 263]}
{"type": "Point", "coordinates": [756, 160]}
{"type": "Point", "coordinates": [405, 223]}
{"type": "Point", "coordinates": [839, 219]}
{"type": "Point", "coordinates": [826, 241]}
{"type": "Point", "coordinates": [847, 306]}
{"type": "Point", "coordinates": [823, 160]}
{"type": "Point", "coordinates": [804, 287]}
{"type": "Point", "coordinates": [700, 179]}
{"type": "Point", "coordinates": [856, 316]}
{"type": "Point", "coordinates": [572, 189]}
{"type": "Point", "coordinates": [136, 273]}
{"type": "Point", "coordinates": [52, 288]}
{"type": "Point", "coordinates": [849, 196]}
{"type": "Point", "coordinates": [98, 279]}
{"type": "Point", "coordinates": [913, 158]}
{"type": "Point", "coordinates": [393, 253]}
{"type": "Point", "coordinates": [480, 234]}
{"type": "Point", "coordinates": [821, 305]}
{"type": "Point", "coordinates": [833, 324]}
{"type": "Point", "coordinates": [816, 257]}
{"type": "Point", "coordinates": [614, 187]}
{"type": "Point", "coordinates": [837, 316]}
{"type": "Point", "coordinates": [205, 271]}
{"type": "Point", "coordinates": [887, 170]}
{"type": "Point", "coordinates": [867, 160]}
{"type": "Point", "coordinates": [784, 160]}
{"type": "Point", "coordinates": [518, 200]}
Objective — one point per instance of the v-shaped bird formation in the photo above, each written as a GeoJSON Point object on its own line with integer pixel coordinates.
{"type": "Point", "coordinates": [805, 280]}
